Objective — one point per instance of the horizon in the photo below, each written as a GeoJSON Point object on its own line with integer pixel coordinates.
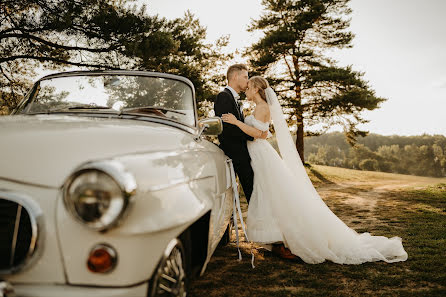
{"type": "Point", "coordinates": [390, 135]}
{"type": "Point", "coordinates": [399, 60]}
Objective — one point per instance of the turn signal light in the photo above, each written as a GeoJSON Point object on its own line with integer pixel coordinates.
{"type": "Point", "coordinates": [102, 259]}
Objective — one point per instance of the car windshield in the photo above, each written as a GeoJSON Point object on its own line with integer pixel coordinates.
{"type": "Point", "coordinates": [117, 94]}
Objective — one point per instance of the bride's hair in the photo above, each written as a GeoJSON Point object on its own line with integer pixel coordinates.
{"type": "Point", "coordinates": [261, 84]}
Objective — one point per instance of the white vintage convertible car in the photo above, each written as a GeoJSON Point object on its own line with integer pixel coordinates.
{"type": "Point", "coordinates": [107, 187]}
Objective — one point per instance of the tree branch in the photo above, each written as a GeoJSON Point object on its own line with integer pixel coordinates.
{"type": "Point", "coordinates": [56, 60]}
{"type": "Point", "coordinates": [55, 45]}
{"type": "Point", "coordinates": [289, 67]}
{"type": "Point", "coordinates": [4, 74]}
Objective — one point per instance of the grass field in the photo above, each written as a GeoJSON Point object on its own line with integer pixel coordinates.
{"type": "Point", "coordinates": [413, 208]}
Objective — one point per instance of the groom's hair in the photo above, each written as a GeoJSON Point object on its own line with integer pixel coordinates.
{"type": "Point", "coordinates": [234, 69]}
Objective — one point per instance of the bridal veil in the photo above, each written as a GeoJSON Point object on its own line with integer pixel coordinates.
{"type": "Point", "coordinates": [309, 228]}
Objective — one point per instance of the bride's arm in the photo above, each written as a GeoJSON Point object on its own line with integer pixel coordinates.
{"type": "Point", "coordinates": [251, 131]}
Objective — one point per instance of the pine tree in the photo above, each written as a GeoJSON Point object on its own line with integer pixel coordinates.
{"type": "Point", "coordinates": [292, 54]}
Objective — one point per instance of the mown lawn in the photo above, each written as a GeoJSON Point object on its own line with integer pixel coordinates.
{"type": "Point", "coordinates": [418, 215]}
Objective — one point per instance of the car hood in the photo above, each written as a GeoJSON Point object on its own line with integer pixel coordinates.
{"type": "Point", "coordinates": [45, 149]}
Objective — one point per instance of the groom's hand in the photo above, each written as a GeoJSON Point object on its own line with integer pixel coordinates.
{"type": "Point", "coordinates": [264, 134]}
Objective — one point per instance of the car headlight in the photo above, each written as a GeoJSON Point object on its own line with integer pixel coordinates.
{"type": "Point", "coordinates": [99, 194]}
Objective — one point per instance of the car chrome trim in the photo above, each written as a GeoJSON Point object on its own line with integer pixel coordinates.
{"type": "Point", "coordinates": [16, 231]}
{"type": "Point", "coordinates": [172, 262]}
{"type": "Point", "coordinates": [200, 132]}
{"type": "Point", "coordinates": [133, 117]}
{"type": "Point", "coordinates": [110, 250]}
{"type": "Point", "coordinates": [212, 126]}
{"type": "Point", "coordinates": [117, 171]}
{"type": "Point", "coordinates": [176, 182]}
{"type": "Point", "coordinates": [26, 183]}
{"type": "Point", "coordinates": [37, 228]}
{"type": "Point", "coordinates": [119, 174]}
{"type": "Point", "coordinates": [117, 72]}
{"type": "Point", "coordinates": [170, 123]}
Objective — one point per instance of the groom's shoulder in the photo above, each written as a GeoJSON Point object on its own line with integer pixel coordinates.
{"type": "Point", "coordinates": [223, 95]}
{"type": "Point", "coordinates": [225, 91]}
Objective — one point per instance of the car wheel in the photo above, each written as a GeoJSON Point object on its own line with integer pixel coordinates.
{"type": "Point", "coordinates": [171, 276]}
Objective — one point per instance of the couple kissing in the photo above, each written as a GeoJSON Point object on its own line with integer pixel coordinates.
{"type": "Point", "coordinates": [285, 212]}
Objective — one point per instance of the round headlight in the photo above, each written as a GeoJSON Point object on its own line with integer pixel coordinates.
{"type": "Point", "coordinates": [95, 198]}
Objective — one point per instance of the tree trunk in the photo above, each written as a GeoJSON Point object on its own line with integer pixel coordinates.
{"type": "Point", "coordinates": [300, 120]}
{"type": "Point", "coordinates": [300, 137]}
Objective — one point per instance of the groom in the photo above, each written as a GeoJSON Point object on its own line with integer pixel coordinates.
{"type": "Point", "coordinates": [232, 139]}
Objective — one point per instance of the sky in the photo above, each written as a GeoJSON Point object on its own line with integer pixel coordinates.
{"type": "Point", "coordinates": [400, 45]}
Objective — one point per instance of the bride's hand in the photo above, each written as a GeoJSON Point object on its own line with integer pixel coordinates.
{"type": "Point", "coordinates": [229, 118]}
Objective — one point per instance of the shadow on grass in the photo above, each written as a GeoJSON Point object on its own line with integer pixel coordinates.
{"type": "Point", "coordinates": [418, 216]}
{"type": "Point", "coordinates": [319, 176]}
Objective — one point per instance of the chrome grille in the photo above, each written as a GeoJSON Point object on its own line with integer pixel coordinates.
{"type": "Point", "coordinates": [18, 234]}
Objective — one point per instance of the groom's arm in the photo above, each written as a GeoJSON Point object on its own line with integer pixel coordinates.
{"type": "Point", "coordinates": [223, 105]}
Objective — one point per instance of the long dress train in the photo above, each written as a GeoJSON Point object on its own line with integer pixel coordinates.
{"type": "Point", "coordinates": [285, 207]}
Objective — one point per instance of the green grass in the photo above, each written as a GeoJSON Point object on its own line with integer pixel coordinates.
{"type": "Point", "coordinates": [418, 215]}
{"type": "Point", "coordinates": [325, 175]}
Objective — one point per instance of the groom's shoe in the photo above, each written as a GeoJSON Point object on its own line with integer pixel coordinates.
{"type": "Point", "coordinates": [283, 252]}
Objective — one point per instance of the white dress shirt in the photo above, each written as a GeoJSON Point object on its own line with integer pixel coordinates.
{"type": "Point", "coordinates": [234, 93]}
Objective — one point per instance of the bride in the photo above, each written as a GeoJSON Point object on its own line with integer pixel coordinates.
{"type": "Point", "coordinates": [285, 206]}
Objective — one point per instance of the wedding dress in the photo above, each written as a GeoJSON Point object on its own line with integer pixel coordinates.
{"type": "Point", "coordinates": [285, 206]}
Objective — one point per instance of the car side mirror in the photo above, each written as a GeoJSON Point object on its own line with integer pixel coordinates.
{"type": "Point", "coordinates": [210, 126]}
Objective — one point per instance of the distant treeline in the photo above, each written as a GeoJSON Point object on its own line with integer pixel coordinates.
{"type": "Point", "coordinates": [417, 155]}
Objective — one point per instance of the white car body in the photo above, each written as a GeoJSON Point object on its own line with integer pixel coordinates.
{"type": "Point", "coordinates": [181, 183]}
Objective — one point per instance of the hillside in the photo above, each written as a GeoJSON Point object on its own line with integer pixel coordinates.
{"type": "Point", "coordinates": [386, 204]}
{"type": "Point", "coordinates": [416, 155]}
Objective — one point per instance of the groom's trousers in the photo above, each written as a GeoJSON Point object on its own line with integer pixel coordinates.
{"type": "Point", "coordinates": [245, 175]}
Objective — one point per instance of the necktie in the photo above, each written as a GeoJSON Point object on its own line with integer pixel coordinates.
{"type": "Point", "coordinates": [239, 110]}
{"type": "Point", "coordinates": [240, 107]}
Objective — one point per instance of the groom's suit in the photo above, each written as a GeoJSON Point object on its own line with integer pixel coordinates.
{"type": "Point", "coordinates": [233, 140]}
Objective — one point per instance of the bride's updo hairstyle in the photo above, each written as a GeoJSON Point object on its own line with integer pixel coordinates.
{"type": "Point", "coordinates": [261, 84]}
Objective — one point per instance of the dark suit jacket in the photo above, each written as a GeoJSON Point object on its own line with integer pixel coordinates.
{"type": "Point", "coordinates": [232, 139]}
